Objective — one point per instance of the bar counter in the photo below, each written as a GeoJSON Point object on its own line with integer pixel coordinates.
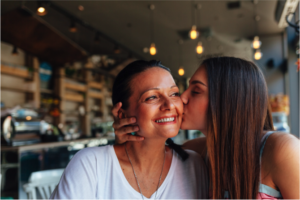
{"type": "Point", "coordinates": [18, 162]}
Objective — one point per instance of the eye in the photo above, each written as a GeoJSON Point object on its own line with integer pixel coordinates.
{"type": "Point", "coordinates": [176, 94]}
{"type": "Point", "coordinates": [194, 92]}
{"type": "Point", "coordinates": [150, 98]}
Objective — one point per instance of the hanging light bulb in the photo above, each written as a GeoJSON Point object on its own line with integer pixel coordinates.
{"type": "Point", "coordinates": [41, 10]}
{"type": "Point", "coordinates": [181, 71]}
{"type": "Point", "coordinates": [257, 54]}
{"type": "Point", "coordinates": [152, 49]}
{"type": "Point", "coordinates": [194, 33]}
{"type": "Point", "coordinates": [256, 43]}
{"type": "Point", "coordinates": [73, 27]}
{"type": "Point", "coordinates": [199, 48]}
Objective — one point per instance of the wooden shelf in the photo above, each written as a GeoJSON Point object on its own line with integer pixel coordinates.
{"type": "Point", "coordinates": [96, 95]}
{"type": "Point", "coordinates": [46, 91]}
{"type": "Point", "coordinates": [95, 85]}
{"type": "Point", "coordinates": [14, 71]}
{"type": "Point", "coordinates": [77, 87]}
{"type": "Point", "coordinates": [73, 97]}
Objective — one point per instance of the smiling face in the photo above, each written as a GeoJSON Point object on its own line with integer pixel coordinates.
{"type": "Point", "coordinates": [156, 104]}
{"type": "Point", "coordinates": [195, 100]}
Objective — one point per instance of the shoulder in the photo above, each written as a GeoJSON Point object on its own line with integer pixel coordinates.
{"type": "Point", "coordinates": [89, 157]}
{"type": "Point", "coordinates": [281, 146]}
{"type": "Point", "coordinates": [282, 157]}
{"type": "Point", "coordinates": [198, 145]}
{"type": "Point", "coordinates": [93, 152]}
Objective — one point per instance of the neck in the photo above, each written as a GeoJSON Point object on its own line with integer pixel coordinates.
{"type": "Point", "coordinates": [146, 154]}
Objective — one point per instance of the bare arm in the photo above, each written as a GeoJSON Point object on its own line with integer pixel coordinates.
{"type": "Point", "coordinates": [286, 163]}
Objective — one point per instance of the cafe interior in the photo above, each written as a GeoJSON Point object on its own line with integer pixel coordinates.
{"type": "Point", "coordinates": [59, 60]}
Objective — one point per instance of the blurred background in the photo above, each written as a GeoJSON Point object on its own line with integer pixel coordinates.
{"type": "Point", "coordinates": [59, 60]}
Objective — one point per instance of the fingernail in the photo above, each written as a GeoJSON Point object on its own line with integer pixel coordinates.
{"type": "Point", "coordinates": [136, 128]}
{"type": "Point", "coordinates": [141, 138]}
{"type": "Point", "coordinates": [132, 119]}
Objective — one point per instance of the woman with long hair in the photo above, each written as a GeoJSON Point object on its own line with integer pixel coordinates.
{"type": "Point", "coordinates": [227, 100]}
{"type": "Point", "coordinates": [147, 169]}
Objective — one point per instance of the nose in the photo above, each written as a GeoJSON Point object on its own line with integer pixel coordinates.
{"type": "Point", "coordinates": [167, 104]}
{"type": "Point", "coordinates": [184, 97]}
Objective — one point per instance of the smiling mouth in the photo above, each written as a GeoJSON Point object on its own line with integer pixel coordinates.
{"type": "Point", "coordinates": [170, 119]}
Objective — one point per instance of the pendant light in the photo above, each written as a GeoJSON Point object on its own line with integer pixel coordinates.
{"type": "Point", "coordinates": [41, 10]}
{"type": "Point", "coordinates": [256, 42]}
{"type": "Point", "coordinates": [73, 28]}
{"type": "Point", "coordinates": [194, 32]}
{"type": "Point", "coordinates": [181, 69]}
{"type": "Point", "coordinates": [199, 48]}
{"type": "Point", "coordinates": [152, 49]}
{"type": "Point", "coordinates": [258, 54]}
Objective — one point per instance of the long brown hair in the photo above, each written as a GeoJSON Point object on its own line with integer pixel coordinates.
{"type": "Point", "coordinates": [238, 104]}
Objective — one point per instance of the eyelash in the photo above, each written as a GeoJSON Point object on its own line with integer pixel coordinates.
{"type": "Point", "coordinates": [149, 98]}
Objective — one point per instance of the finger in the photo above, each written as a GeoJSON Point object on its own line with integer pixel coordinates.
{"type": "Point", "coordinates": [124, 122]}
{"type": "Point", "coordinates": [126, 130]}
{"type": "Point", "coordinates": [116, 109]}
{"type": "Point", "coordinates": [134, 138]}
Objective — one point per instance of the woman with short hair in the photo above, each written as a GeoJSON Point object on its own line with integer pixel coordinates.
{"type": "Point", "coordinates": [145, 169]}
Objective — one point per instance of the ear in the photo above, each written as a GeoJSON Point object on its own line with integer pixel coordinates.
{"type": "Point", "coordinates": [122, 114]}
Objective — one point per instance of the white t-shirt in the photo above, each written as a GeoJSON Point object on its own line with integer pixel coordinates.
{"type": "Point", "coordinates": [95, 173]}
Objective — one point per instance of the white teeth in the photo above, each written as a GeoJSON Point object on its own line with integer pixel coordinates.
{"type": "Point", "coordinates": [165, 120]}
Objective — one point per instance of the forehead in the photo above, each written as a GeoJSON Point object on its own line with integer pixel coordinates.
{"type": "Point", "coordinates": [154, 77]}
{"type": "Point", "coordinates": [200, 75]}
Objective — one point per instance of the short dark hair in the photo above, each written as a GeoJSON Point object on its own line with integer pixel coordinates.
{"type": "Point", "coordinates": [121, 89]}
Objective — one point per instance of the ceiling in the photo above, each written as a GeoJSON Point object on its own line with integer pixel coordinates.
{"type": "Point", "coordinates": [128, 23]}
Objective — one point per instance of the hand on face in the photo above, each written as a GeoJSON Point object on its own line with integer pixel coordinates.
{"type": "Point", "coordinates": [155, 103]}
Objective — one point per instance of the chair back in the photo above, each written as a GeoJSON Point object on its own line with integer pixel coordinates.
{"type": "Point", "coordinates": [44, 182]}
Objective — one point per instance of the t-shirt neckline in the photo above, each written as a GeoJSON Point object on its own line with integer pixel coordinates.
{"type": "Point", "coordinates": [127, 184]}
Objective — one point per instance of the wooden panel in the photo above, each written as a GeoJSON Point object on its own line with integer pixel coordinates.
{"type": "Point", "coordinates": [73, 97]}
{"type": "Point", "coordinates": [95, 85]}
{"type": "Point", "coordinates": [14, 71]}
{"type": "Point", "coordinates": [76, 87]}
{"type": "Point", "coordinates": [96, 95]}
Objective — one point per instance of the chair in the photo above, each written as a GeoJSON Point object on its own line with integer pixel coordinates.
{"type": "Point", "coordinates": [43, 181]}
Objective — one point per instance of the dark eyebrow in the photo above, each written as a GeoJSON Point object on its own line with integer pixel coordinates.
{"type": "Point", "coordinates": [196, 81]}
{"type": "Point", "coordinates": [155, 89]}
